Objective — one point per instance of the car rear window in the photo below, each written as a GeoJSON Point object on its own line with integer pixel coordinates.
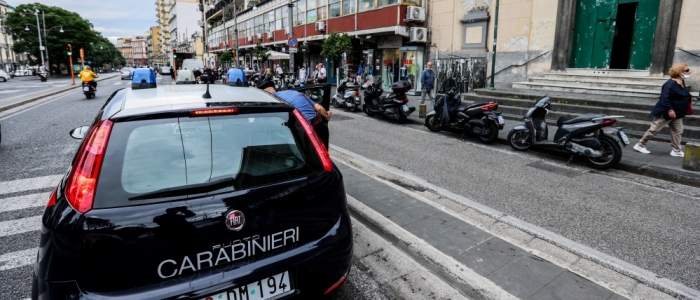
{"type": "Point", "coordinates": [150, 155]}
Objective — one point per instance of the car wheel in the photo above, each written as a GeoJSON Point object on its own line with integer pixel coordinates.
{"type": "Point", "coordinates": [3, 79]}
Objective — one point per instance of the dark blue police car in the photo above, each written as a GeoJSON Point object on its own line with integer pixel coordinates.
{"type": "Point", "coordinates": [180, 195]}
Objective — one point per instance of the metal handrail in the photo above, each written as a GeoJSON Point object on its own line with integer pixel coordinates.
{"type": "Point", "coordinates": [691, 53]}
{"type": "Point", "coordinates": [520, 65]}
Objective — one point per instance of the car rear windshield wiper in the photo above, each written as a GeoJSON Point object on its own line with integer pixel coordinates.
{"type": "Point", "coordinates": [196, 188]}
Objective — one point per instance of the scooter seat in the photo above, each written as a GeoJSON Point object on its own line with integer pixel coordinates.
{"type": "Point", "coordinates": [573, 119]}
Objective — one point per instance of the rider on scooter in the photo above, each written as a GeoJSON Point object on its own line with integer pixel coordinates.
{"type": "Point", "coordinates": [87, 75]}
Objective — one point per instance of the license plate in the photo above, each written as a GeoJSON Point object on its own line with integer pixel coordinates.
{"type": "Point", "coordinates": [263, 289]}
{"type": "Point", "coordinates": [501, 120]}
{"type": "Point", "coordinates": [405, 108]}
{"type": "Point", "coordinates": [624, 137]}
{"type": "Point", "coordinates": [86, 88]}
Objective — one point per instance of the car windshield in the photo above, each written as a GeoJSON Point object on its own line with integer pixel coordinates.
{"type": "Point", "coordinates": [255, 149]}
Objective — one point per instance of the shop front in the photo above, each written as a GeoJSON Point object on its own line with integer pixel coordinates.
{"type": "Point", "coordinates": [399, 62]}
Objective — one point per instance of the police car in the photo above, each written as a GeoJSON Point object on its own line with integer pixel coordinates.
{"type": "Point", "coordinates": [196, 192]}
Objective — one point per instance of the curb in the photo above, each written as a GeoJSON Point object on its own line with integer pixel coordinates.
{"type": "Point", "coordinates": [682, 177]}
{"type": "Point", "coordinates": [46, 94]}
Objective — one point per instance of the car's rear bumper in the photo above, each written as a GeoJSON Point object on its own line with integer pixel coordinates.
{"type": "Point", "coordinates": [313, 268]}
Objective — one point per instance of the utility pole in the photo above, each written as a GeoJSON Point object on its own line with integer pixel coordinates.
{"type": "Point", "coordinates": [235, 33]}
{"type": "Point", "coordinates": [290, 5]}
{"type": "Point", "coordinates": [38, 30]}
{"type": "Point", "coordinates": [495, 38]}
{"type": "Point", "coordinates": [48, 61]}
{"type": "Point", "coordinates": [225, 27]}
{"type": "Point", "coordinates": [70, 60]}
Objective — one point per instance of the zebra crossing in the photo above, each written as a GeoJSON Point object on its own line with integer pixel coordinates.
{"type": "Point", "coordinates": [20, 223]}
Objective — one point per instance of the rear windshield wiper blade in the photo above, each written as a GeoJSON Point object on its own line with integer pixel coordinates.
{"type": "Point", "coordinates": [196, 188]}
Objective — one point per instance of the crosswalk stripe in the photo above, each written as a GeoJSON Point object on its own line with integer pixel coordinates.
{"type": "Point", "coordinates": [20, 226]}
{"type": "Point", "coordinates": [22, 202]}
{"type": "Point", "coordinates": [117, 83]}
{"type": "Point", "coordinates": [17, 259]}
{"type": "Point", "coordinates": [28, 184]}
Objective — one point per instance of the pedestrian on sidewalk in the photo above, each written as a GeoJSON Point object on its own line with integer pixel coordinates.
{"type": "Point", "coordinates": [670, 110]}
{"type": "Point", "coordinates": [322, 74]}
{"type": "Point", "coordinates": [427, 79]}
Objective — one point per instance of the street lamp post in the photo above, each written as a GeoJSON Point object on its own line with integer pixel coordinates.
{"type": "Point", "coordinates": [290, 5]}
{"type": "Point", "coordinates": [38, 30]}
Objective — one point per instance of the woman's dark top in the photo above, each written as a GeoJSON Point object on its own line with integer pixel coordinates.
{"type": "Point", "coordinates": [673, 96]}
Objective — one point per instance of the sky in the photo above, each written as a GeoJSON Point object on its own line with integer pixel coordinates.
{"type": "Point", "coordinates": [113, 18]}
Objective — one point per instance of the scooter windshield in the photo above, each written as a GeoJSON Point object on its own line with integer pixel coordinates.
{"type": "Point", "coordinates": [543, 103]}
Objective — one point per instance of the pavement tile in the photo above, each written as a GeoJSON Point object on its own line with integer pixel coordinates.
{"type": "Point", "coordinates": [571, 286]}
{"type": "Point", "coordinates": [616, 297]}
{"type": "Point", "coordinates": [412, 213]}
{"type": "Point", "coordinates": [489, 256]}
{"type": "Point", "coordinates": [462, 239]}
{"type": "Point", "coordinates": [526, 275]}
{"type": "Point", "coordinates": [388, 202]}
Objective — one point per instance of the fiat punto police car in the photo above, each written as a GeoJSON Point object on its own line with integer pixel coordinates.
{"type": "Point", "coordinates": [196, 192]}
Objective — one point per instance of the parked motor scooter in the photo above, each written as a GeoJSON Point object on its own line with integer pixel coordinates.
{"type": "Point", "coordinates": [346, 96]}
{"type": "Point", "coordinates": [480, 119]}
{"type": "Point", "coordinates": [588, 135]}
{"type": "Point", "coordinates": [393, 106]}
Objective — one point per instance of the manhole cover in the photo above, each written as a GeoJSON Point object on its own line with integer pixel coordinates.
{"type": "Point", "coordinates": [556, 169]}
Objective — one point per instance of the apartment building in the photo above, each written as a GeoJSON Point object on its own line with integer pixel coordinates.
{"type": "Point", "coordinates": [163, 15]}
{"type": "Point", "coordinates": [185, 31]}
{"type": "Point", "coordinates": [139, 50]}
{"type": "Point", "coordinates": [9, 60]}
{"type": "Point", "coordinates": [124, 46]}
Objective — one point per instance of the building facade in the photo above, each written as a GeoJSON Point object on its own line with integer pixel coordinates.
{"type": "Point", "coordinates": [124, 46]}
{"type": "Point", "coordinates": [185, 31]}
{"type": "Point", "coordinates": [389, 36]}
{"type": "Point", "coordinates": [9, 60]}
{"type": "Point", "coordinates": [539, 36]}
{"type": "Point", "coordinates": [156, 55]}
{"type": "Point", "coordinates": [163, 15]}
{"type": "Point", "coordinates": [139, 52]}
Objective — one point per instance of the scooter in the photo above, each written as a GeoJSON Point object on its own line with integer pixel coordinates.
{"type": "Point", "coordinates": [589, 135]}
{"type": "Point", "coordinates": [393, 106]}
{"type": "Point", "coordinates": [346, 96]}
{"type": "Point", "coordinates": [88, 90]}
{"type": "Point", "coordinates": [480, 119]}
{"type": "Point", "coordinates": [43, 76]}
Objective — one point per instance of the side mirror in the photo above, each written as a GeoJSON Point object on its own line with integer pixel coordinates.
{"type": "Point", "coordinates": [80, 132]}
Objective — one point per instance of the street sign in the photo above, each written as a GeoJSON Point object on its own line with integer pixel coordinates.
{"type": "Point", "coordinates": [293, 50]}
{"type": "Point", "coordinates": [293, 43]}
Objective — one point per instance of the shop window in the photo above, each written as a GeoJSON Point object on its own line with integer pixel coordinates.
{"type": "Point", "coordinates": [367, 5]}
{"type": "Point", "coordinates": [334, 9]}
{"type": "Point", "coordinates": [311, 16]}
{"type": "Point", "coordinates": [387, 2]}
{"type": "Point", "coordinates": [322, 13]}
{"type": "Point", "coordinates": [349, 7]}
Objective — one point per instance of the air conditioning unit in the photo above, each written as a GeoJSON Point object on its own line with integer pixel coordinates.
{"type": "Point", "coordinates": [286, 30]}
{"type": "Point", "coordinates": [258, 35]}
{"type": "Point", "coordinates": [418, 34]}
{"type": "Point", "coordinates": [415, 13]}
{"type": "Point", "coordinates": [320, 26]}
{"type": "Point", "coordinates": [250, 38]}
{"type": "Point", "coordinates": [270, 35]}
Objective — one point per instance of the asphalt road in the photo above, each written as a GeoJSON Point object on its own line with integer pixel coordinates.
{"type": "Point", "coordinates": [650, 223]}
{"type": "Point", "coordinates": [23, 85]}
{"type": "Point", "coordinates": [35, 144]}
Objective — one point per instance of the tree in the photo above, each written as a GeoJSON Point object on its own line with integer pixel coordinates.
{"type": "Point", "coordinates": [225, 57]}
{"type": "Point", "coordinates": [76, 31]}
{"type": "Point", "coordinates": [261, 53]}
{"type": "Point", "coordinates": [336, 44]}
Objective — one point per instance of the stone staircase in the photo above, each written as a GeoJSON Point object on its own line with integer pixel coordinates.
{"type": "Point", "coordinates": [624, 83]}
{"type": "Point", "coordinates": [514, 103]}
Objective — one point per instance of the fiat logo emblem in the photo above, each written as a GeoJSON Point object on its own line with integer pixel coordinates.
{"type": "Point", "coordinates": [235, 220]}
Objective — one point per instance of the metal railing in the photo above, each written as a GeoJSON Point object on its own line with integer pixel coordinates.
{"type": "Point", "coordinates": [464, 73]}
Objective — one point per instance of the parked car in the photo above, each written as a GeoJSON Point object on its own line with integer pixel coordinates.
{"type": "Point", "coordinates": [165, 70]}
{"type": "Point", "coordinates": [126, 73]}
{"type": "Point", "coordinates": [175, 195]}
{"type": "Point", "coordinates": [4, 76]}
{"type": "Point", "coordinates": [22, 73]}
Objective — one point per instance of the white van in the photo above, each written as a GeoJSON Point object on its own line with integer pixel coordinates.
{"type": "Point", "coordinates": [192, 64]}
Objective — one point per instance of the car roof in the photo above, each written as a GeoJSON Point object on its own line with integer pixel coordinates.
{"type": "Point", "coordinates": [166, 98]}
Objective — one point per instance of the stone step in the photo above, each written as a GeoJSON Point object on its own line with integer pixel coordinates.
{"type": "Point", "coordinates": [598, 83]}
{"type": "Point", "coordinates": [581, 89]}
{"type": "Point", "coordinates": [570, 98]}
{"type": "Point", "coordinates": [608, 72]}
{"type": "Point", "coordinates": [631, 79]}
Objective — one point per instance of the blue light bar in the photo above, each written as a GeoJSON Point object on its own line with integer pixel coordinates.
{"type": "Point", "coordinates": [236, 77]}
{"type": "Point", "coordinates": [143, 78]}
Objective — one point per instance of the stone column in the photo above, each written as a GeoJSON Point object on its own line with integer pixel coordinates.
{"type": "Point", "coordinates": [561, 50]}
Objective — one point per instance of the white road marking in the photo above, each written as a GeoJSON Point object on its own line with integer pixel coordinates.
{"type": "Point", "coordinates": [17, 259]}
{"type": "Point", "coordinates": [10, 91]}
{"type": "Point", "coordinates": [18, 226]}
{"type": "Point", "coordinates": [29, 184]}
{"type": "Point", "coordinates": [22, 202]}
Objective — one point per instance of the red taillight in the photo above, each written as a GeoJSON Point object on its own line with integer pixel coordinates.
{"type": "Point", "coordinates": [80, 190]}
{"type": "Point", "coordinates": [356, 92]}
{"type": "Point", "coordinates": [52, 199]}
{"type": "Point", "coordinates": [316, 141]}
{"type": "Point", "coordinates": [337, 284]}
{"type": "Point", "coordinates": [404, 100]}
{"type": "Point", "coordinates": [608, 122]}
{"type": "Point", "coordinates": [489, 106]}
{"type": "Point", "coordinates": [213, 112]}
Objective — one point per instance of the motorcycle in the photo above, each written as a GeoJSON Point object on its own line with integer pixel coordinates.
{"type": "Point", "coordinates": [589, 135]}
{"type": "Point", "coordinates": [393, 106]}
{"type": "Point", "coordinates": [346, 96]}
{"type": "Point", "coordinates": [480, 119]}
{"type": "Point", "coordinates": [43, 76]}
{"type": "Point", "coordinates": [88, 90]}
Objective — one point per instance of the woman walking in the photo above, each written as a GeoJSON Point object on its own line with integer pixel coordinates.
{"type": "Point", "coordinates": [670, 110]}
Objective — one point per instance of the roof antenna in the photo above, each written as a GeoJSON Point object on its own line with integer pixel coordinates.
{"type": "Point", "coordinates": [207, 95]}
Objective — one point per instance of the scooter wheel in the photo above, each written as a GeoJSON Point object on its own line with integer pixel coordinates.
{"type": "Point", "coordinates": [612, 153]}
{"type": "Point", "coordinates": [335, 103]}
{"type": "Point", "coordinates": [433, 123]}
{"type": "Point", "coordinates": [492, 136]}
{"type": "Point", "coordinates": [367, 111]}
{"type": "Point", "coordinates": [518, 141]}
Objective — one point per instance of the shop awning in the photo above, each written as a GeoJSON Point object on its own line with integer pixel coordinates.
{"type": "Point", "coordinates": [278, 55]}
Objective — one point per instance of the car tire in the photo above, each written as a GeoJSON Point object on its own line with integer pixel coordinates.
{"type": "Point", "coordinates": [3, 79]}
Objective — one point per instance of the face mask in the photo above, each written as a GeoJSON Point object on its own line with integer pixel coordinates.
{"type": "Point", "coordinates": [686, 76]}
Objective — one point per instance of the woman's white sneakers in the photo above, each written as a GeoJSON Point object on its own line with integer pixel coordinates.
{"type": "Point", "coordinates": [677, 153]}
{"type": "Point", "coordinates": [642, 149]}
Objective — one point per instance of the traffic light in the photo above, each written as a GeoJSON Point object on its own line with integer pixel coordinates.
{"type": "Point", "coordinates": [233, 55]}
{"type": "Point", "coordinates": [69, 50]}
{"type": "Point", "coordinates": [174, 55]}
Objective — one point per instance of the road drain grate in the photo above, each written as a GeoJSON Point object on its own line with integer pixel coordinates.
{"type": "Point", "coordinates": [568, 172]}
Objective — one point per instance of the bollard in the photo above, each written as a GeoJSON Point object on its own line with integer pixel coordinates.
{"type": "Point", "coordinates": [421, 110]}
{"type": "Point", "coordinates": [691, 158]}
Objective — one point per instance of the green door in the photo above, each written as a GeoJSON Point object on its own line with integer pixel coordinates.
{"type": "Point", "coordinates": [594, 33]}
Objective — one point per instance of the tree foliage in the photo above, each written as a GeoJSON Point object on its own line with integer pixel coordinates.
{"type": "Point", "coordinates": [261, 53]}
{"type": "Point", "coordinates": [76, 31]}
{"type": "Point", "coordinates": [336, 44]}
{"type": "Point", "coordinates": [225, 56]}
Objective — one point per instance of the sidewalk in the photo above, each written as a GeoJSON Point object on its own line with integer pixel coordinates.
{"type": "Point", "coordinates": [658, 164]}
